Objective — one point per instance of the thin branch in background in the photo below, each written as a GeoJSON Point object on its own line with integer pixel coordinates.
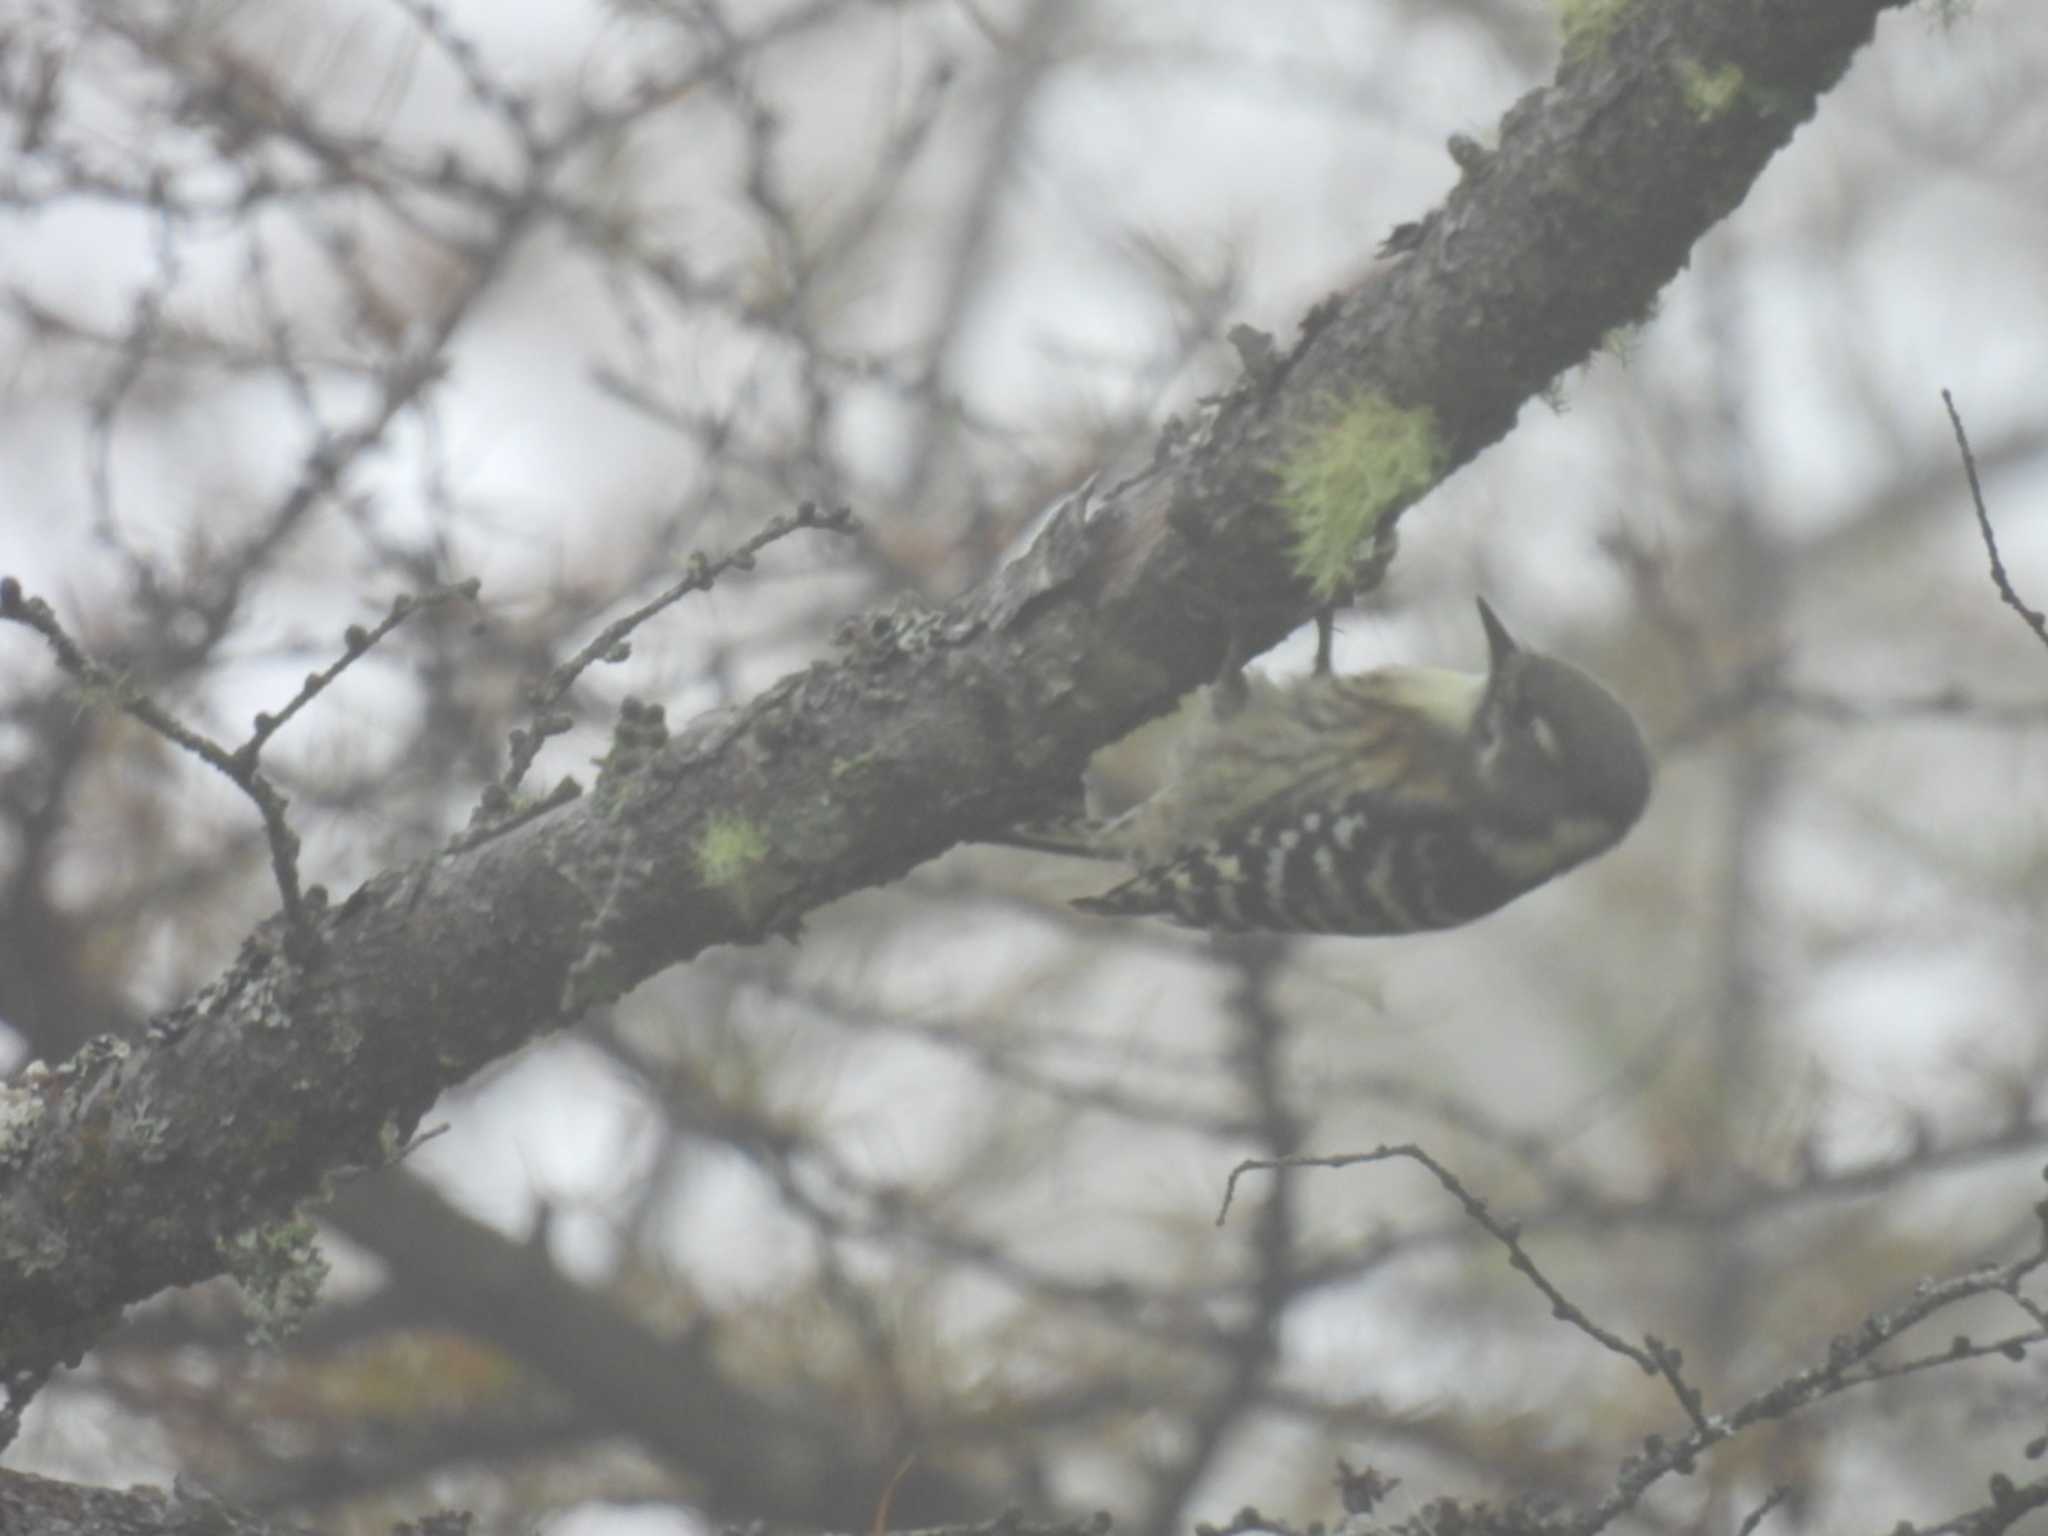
{"type": "Point", "coordinates": [610, 643]}
{"type": "Point", "coordinates": [510, 106]}
{"type": "Point", "coordinates": [1849, 1363]}
{"type": "Point", "coordinates": [1653, 1357]}
{"type": "Point", "coordinates": [1757, 1516]}
{"type": "Point", "coordinates": [1034, 53]}
{"type": "Point", "coordinates": [880, 1526]}
{"type": "Point", "coordinates": [240, 765]}
{"type": "Point", "coordinates": [1850, 1358]}
{"type": "Point", "coordinates": [2009, 1504]}
{"type": "Point", "coordinates": [2036, 621]}
{"type": "Point", "coordinates": [1251, 1348]}
{"type": "Point", "coordinates": [357, 642]}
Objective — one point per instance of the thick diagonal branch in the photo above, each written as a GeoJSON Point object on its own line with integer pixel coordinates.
{"type": "Point", "coordinates": [131, 1169]}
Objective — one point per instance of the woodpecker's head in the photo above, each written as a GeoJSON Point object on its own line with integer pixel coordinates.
{"type": "Point", "coordinates": [1552, 743]}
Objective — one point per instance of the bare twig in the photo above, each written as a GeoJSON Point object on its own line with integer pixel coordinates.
{"type": "Point", "coordinates": [240, 765]}
{"type": "Point", "coordinates": [2036, 620]}
{"type": "Point", "coordinates": [2009, 1503]}
{"type": "Point", "coordinates": [1251, 1347]}
{"type": "Point", "coordinates": [357, 642]}
{"type": "Point", "coordinates": [1653, 1357]}
{"type": "Point", "coordinates": [1848, 1364]}
{"type": "Point", "coordinates": [1757, 1516]}
{"type": "Point", "coordinates": [610, 643]}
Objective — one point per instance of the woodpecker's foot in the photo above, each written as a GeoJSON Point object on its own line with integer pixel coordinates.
{"type": "Point", "coordinates": [1228, 693]}
{"type": "Point", "coordinates": [1326, 636]}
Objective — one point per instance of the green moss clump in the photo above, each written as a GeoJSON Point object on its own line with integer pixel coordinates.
{"type": "Point", "coordinates": [1336, 484]}
{"type": "Point", "coordinates": [1709, 92]}
{"type": "Point", "coordinates": [280, 1269]}
{"type": "Point", "coordinates": [1587, 24]}
{"type": "Point", "coordinates": [729, 851]}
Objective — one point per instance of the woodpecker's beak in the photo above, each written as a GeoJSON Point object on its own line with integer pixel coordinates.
{"type": "Point", "coordinates": [1500, 645]}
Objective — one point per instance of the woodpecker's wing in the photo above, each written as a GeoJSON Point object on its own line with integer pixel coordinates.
{"type": "Point", "coordinates": [1367, 864]}
{"type": "Point", "coordinates": [1396, 735]}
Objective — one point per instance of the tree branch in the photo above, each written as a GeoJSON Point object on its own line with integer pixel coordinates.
{"type": "Point", "coordinates": [131, 1167]}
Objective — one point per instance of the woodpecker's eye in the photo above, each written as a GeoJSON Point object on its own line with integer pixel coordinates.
{"type": "Point", "coordinates": [1526, 719]}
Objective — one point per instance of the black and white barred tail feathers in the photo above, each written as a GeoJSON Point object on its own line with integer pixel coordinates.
{"type": "Point", "coordinates": [1361, 869]}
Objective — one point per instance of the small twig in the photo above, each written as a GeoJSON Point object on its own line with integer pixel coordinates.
{"type": "Point", "coordinates": [2010, 1502]}
{"type": "Point", "coordinates": [610, 642]}
{"type": "Point", "coordinates": [2036, 621]}
{"type": "Point", "coordinates": [240, 765]}
{"type": "Point", "coordinates": [498, 814]}
{"type": "Point", "coordinates": [1848, 1364]}
{"type": "Point", "coordinates": [1757, 1516]}
{"type": "Point", "coordinates": [1961, 1348]}
{"type": "Point", "coordinates": [1669, 1361]}
{"type": "Point", "coordinates": [398, 1155]}
{"type": "Point", "coordinates": [420, 1139]}
{"type": "Point", "coordinates": [880, 1525]}
{"type": "Point", "coordinates": [356, 643]}
{"type": "Point", "coordinates": [1653, 1357]}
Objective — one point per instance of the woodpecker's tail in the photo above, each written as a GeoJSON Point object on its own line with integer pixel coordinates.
{"type": "Point", "coordinates": [1140, 896]}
